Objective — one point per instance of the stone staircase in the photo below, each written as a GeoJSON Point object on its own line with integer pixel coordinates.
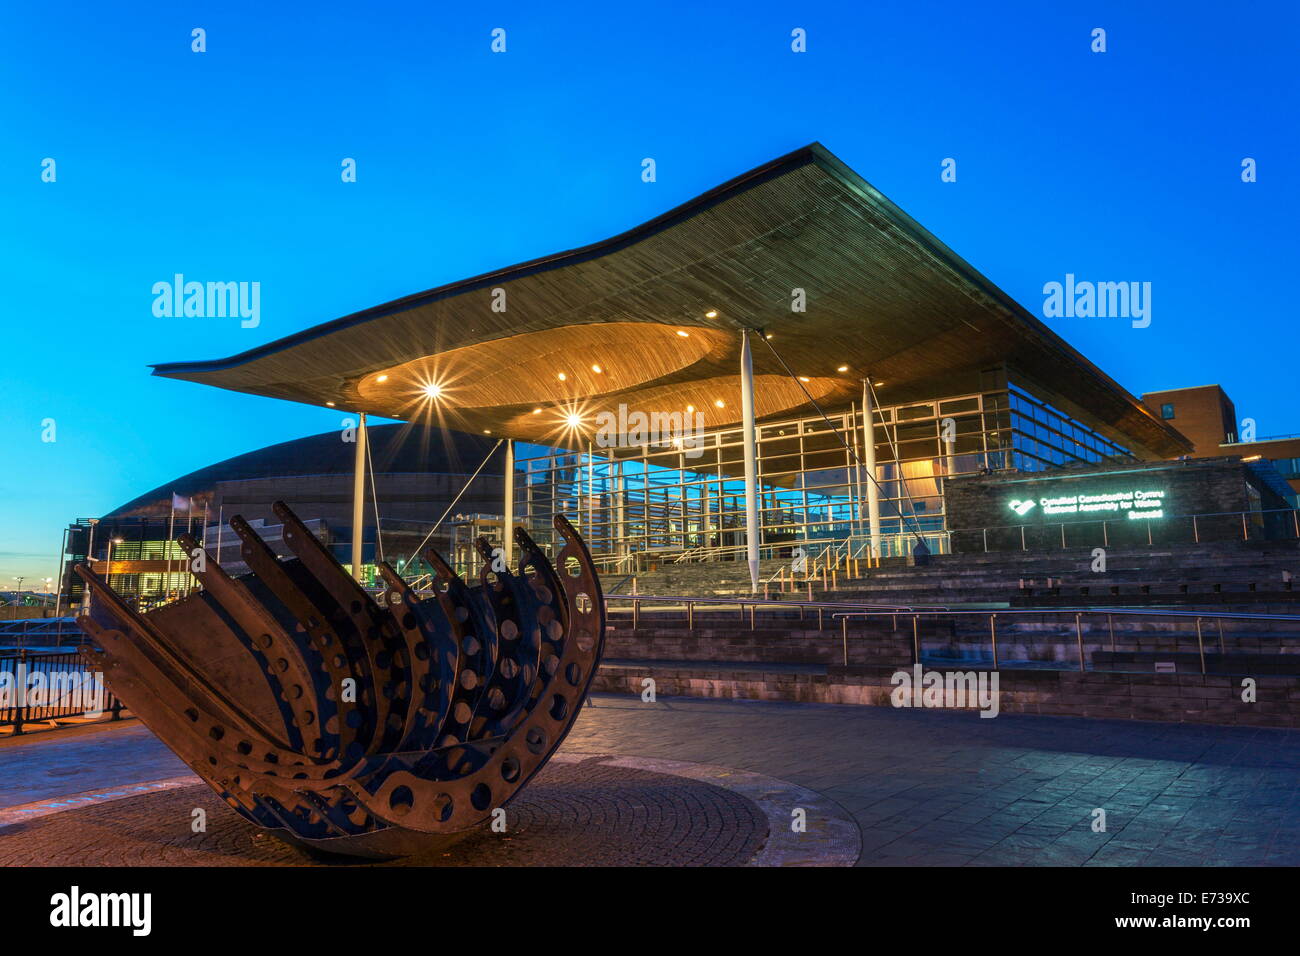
{"type": "Point", "coordinates": [1246, 573]}
{"type": "Point", "coordinates": [785, 655]}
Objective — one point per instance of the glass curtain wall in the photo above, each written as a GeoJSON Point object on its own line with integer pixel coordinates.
{"type": "Point", "coordinates": [666, 501]}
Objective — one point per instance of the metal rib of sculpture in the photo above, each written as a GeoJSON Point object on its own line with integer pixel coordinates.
{"type": "Point", "coordinates": [350, 725]}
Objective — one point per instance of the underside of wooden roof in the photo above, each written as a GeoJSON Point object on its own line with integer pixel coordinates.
{"type": "Point", "coordinates": [625, 321]}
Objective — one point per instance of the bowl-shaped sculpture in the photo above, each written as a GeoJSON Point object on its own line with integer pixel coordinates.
{"type": "Point", "coordinates": [353, 725]}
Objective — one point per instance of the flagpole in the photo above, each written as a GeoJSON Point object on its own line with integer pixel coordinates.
{"type": "Point", "coordinates": [203, 530]}
{"type": "Point", "coordinates": [171, 543]}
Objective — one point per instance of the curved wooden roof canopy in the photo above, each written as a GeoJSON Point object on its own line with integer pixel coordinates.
{"type": "Point", "coordinates": [884, 295]}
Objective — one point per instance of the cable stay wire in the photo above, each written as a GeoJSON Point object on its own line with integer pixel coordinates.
{"type": "Point", "coordinates": [442, 517]}
{"type": "Point", "coordinates": [906, 519]}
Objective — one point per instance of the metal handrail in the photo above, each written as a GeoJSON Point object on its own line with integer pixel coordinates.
{"type": "Point", "coordinates": [18, 712]}
{"type": "Point", "coordinates": [1111, 614]}
{"type": "Point", "coordinates": [938, 536]}
{"type": "Point", "coordinates": [1244, 517]}
{"type": "Point", "coordinates": [690, 602]}
{"type": "Point", "coordinates": [1136, 612]}
{"type": "Point", "coordinates": [769, 602]}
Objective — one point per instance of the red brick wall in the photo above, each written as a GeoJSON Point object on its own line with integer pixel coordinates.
{"type": "Point", "coordinates": [1204, 414]}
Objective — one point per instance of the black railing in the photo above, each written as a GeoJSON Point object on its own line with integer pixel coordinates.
{"type": "Point", "coordinates": [35, 688]}
{"type": "Point", "coordinates": [42, 631]}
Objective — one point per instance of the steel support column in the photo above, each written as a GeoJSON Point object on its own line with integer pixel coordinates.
{"type": "Point", "coordinates": [359, 497]}
{"type": "Point", "coordinates": [869, 465]}
{"type": "Point", "coordinates": [507, 539]}
{"type": "Point", "coordinates": [751, 459]}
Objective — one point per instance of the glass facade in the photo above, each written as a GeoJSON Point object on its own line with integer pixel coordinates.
{"type": "Point", "coordinates": [646, 502]}
{"type": "Point", "coordinates": [652, 503]}
{"type": "Point", "coordinates": [1047, 438]}
{"type": "Point", "coordinates": [147, 567]}
{"type": "Point", "coordinates": [1288, 468]}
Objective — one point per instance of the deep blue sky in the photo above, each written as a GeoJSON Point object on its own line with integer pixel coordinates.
{"type": "Point", "coordinates": [225, 165]}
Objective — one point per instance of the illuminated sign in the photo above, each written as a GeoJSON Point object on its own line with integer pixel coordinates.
{"type": "Point", "coordinates": [1139, 504]}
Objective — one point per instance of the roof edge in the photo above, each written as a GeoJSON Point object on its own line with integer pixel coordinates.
{"type": "Point", "coordinates": [812, 153]}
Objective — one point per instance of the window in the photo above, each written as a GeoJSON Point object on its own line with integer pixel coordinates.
{"type": "Point", "coordinates": [1167, 410]}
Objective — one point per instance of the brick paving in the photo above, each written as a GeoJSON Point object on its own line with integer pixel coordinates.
{"type": "Point", "coordinates": [924, 787]}
{"type": "Point", "coordinates": [573, 814]}
{"type": "Point", "coordinates": [936, 788]}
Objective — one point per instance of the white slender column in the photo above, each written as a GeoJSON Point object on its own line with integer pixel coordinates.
{"type": "Point", "coordinates": [751, 459]}
{"type": "Point", "coordinates": [590, 529]}
{"type": "Point", "coordinates": [869, 466]}
{"type": "Point", "coordinates": [508, 532]}
{"type": "Point", "coordinates": [90, 560]}
{"type": "Point", "coordinates": [621, 522]}
{"type": "Point", "coordinates": [359, 496]}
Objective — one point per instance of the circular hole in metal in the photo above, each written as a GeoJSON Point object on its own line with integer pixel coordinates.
{"type": "Point", "coordinates": [510, 769]}
{"type": "Point", "coordinates": [401, 800]}
{"type": "Point", "coordinates": [481, 797]}
{"type": "Point", "coordinates": [573, 674]}
{"type": "Point", "coordinates": [535, 740]}
{"type": "Point", "coordinates": [559, 707]}
{"type": "Point", "coordinates": [583, 603]}
{"type": "Point", "coordinates": [573, 567]}
{"type": "Point", "coordinates": [443, 807]}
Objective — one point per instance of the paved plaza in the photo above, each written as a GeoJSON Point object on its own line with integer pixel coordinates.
{"type": "Point", "coordinates": [922, 788]}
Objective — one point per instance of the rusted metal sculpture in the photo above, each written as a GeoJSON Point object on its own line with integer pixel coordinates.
{"type": "Point", "coordinates": [346, 724]}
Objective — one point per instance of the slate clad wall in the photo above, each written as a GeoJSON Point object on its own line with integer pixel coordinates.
{"type": "Point", "coordinates": [1198, 486]}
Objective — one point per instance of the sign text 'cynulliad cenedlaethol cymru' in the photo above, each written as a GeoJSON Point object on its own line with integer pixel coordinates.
{"type": "Point", "coordinates": [1138, 504]}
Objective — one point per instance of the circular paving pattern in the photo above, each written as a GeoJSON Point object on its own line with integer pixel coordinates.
{"type": "Point", "coordinates": [580, 810]}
